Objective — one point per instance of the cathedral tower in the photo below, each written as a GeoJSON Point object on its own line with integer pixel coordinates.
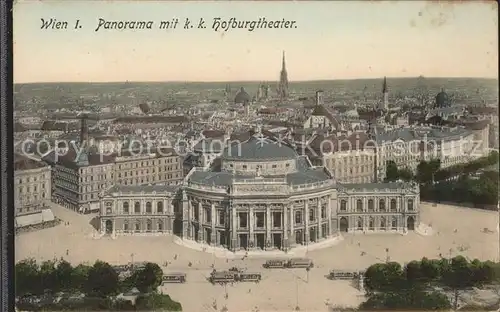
{"type": "Point", "coordinates": [283, 84]}
{"type": "Point", "coordinates": [385, 91]}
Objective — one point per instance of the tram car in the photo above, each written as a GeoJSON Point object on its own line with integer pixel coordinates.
{"type": "Point", "coordinates": [300, 263]}
{"type": "Point", "coordinates": [222, 277]}
{"type": "Point", "coordinates": [275, 264]}
{"type": "Point", "coordinates": [173, 278]}
{"type": "Point", "coordinates": [248, 277]}
{"type": "Point", "coordinates": [345, 275]}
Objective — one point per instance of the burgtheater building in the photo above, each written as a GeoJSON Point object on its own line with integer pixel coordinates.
{"type": "Point", "coordinates": [262, 194]}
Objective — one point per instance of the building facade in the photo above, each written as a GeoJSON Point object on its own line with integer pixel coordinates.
{"type": "Point", "coordinates": [139, 210]}
{"type": "Point", "coordinates": [261, 195]}
{"type": "Point", "coordinates": [80, 178]}
{"type": "Point", "coordinates": [378, 207]}
{"type": "Point", "coordinates": [32, 191]}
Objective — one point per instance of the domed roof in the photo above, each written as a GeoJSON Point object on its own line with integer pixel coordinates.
{"type": "Point", "coordinates": [242, 97]}
{"type": "Point", "coordinates": [256, 149]}
{"type": "Point", "coordinates": [442, 100]}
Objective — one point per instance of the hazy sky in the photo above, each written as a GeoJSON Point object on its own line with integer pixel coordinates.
{"type": "Point", "coordinates": [333, 40]}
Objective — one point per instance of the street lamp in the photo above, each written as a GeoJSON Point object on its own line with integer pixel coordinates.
{"type": "Point", "coordinates": [297, 294]}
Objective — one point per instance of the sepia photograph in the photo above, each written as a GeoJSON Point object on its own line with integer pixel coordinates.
{"type": "Point", "coordinates": [255, 156]}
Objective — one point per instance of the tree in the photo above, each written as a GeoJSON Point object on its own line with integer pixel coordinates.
{"type": "Point", "coordinates": [48, 276]}
{"type": "Point", "coordinates": [102, 280]}
{"type": "Point", "coordinates": [405, 174]}
{"type": "Point", "coordinates": [149, 278]}
{"type": "Point", "coordinates": [413, 274]}
{"type": "Point", "coordinates": [27, 277]}
{"type": "Point", "coordinates": [64, 275]}
{"type": "Point", "coordinates": [458, 276]}
{"type": "Point", "coordinates": [79, 277]}
{"type": "Point", "coordinates": [430, 269]}
{"type": "Point", "coordinates": [154, 301]}
{"type": "Point", "coordinates": [391, 173]}
{"type": "Point", "coordinates": [384, 277]}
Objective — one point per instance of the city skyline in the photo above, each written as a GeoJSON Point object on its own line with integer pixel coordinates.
{"type": "Point", "coordinates": [404, 39]}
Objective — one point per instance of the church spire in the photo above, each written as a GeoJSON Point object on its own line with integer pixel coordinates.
{"type": "Point", "coordinates": [283, 83]}
{"type": "Point", "coordinates": [385, 93]}
{"type": "Point", "coordinates": [283, 66]}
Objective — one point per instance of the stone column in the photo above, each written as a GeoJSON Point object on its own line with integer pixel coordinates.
{"type": "Point", "coordinates": [306, 220]}
{"type": "Point", "coordinates": [291, 239]}
{"type": "Point", "coordinates": [114, 226]}
{"type": "Point", "coordinates": [213, 234]}
{"type": "Point", "coordinates": [268, 226]}
{"type": "Point", "coordinates": [329, 215]}
{"type": "Point", "coordinates": [234, 227]}
{"type": "Point", "coordinates": [284, 222]}
{"type": "Point", "coordinates": [201, 234]}
{"type": "Point", "coordinates": [187, 212]}
{"type": "Point", "coordinates": [319, 232]}
{"type": "Point", "coordinates": [251, 224]}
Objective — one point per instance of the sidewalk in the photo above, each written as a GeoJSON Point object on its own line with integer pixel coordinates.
{"type": "Point", "coordinates": [220, 252]}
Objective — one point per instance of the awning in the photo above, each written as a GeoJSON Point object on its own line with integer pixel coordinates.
{"type": "Point", "coordinates": [29, 219]}
{"type": "Point", "coordinates": [47, 215]}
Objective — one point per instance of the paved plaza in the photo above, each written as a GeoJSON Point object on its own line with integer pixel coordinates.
{"type": "Point", "coordinates": [469, 232]}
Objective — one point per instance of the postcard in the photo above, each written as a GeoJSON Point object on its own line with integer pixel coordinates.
{"type": "Point", "coordinates": [255, 155]}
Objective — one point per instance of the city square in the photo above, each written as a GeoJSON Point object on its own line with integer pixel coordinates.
{"type": "Point", "coordinates": [279, 289]}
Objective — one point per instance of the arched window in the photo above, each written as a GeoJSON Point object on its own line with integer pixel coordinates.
{"type": "Point", "coordinates": [298, 217]}
{"type": "Point", "coordinates": [371, 224]}
{"type": "Point", "coordinates": [160, 226]}
{"type": "Point", "coordinates": [159, 207]}
{"type": "Point", "coordinates": [343, 205]}
{"type": "Point", "coordinates": [149, 207]}
{"type": "Point", "coordinates": [137, 207]}
{"type": "Point", "coordinates": [383, 223]}
{"type": "Point", "coordinates": [125, 226]}
{"type": "Point", "coordinates": [410, 204]}
{"type": "Point", "coordinates": [125, 208]}
{"type": "Point", "coordinates": [394, 223]}
{"type": "Point", "coordinates": [360, 223]}
{"type": "Point", "coordinates": [359, 205]}
{"type": "Point", "coordinates": [393, 205]}
{"type": "Point", "coordinates": [371, 205]}
{"type": "Point", "coordinates": [381, 205]}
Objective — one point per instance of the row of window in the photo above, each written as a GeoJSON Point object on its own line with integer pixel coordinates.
{"type": "Point", "coordinates": [260, 218]}
{"type": "Point", "coordinates": [33, 179]}
{"type": "Point", "coordinates": [287, 165]}
{"type": "Point", "coordinates": [28, 189]}
{"type": "Point", "coordinates": [137, 226]}
{"type": "Point", "coordinates": [137, 208]}
{"type": "Point", "coordinates": [371, 205]}
{"type": "Point", "coordinates": [357, 169]}
{"type": "Point", "coordinates": [371, 223]}
{"type": "Point", "coordinates": [147, 180]}
{"type": "Point", "coordinates": [169, 160]}
{"type": "Point", "coordinates": [146, 171]}
{"type": "Point", "coordinates": [351, 160]}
